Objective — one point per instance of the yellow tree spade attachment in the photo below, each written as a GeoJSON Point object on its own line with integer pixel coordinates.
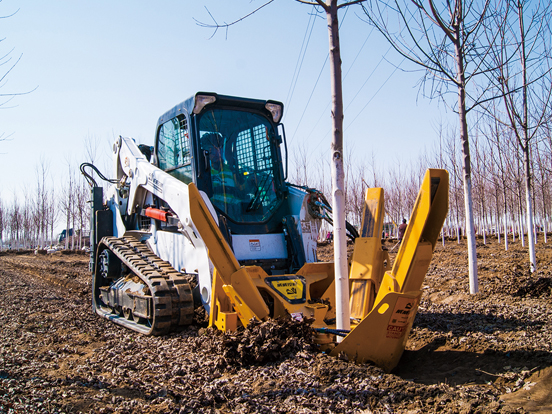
{"type": "Point", "coordinates": [382, 303]}
{"type": "Point", "coordinates": [381, 336]}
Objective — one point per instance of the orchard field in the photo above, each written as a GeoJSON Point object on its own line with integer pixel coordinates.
{"type": "Point", "coordinates": [483, 353]}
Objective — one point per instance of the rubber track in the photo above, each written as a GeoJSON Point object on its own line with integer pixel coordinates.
{"type": "Point", "coordinates": [170, 289]}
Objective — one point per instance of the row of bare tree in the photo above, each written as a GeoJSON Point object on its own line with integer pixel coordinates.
{"type": "Point", "coordinates": [498, 189]}
{"type": "Point", "coordinates": [498, 181]}
{"type": "Point", "coordinates": [33, 216]}
{"type": "Point", "coordinates": [489, 61]}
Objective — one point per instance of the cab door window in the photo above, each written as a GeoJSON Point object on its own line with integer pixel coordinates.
{"type": "Point", "coordinates": [173, 149]}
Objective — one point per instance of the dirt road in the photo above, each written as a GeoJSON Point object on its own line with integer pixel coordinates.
{"type": "Point", "coordinates": [485, 353]}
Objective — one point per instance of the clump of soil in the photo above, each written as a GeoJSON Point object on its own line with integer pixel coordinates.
{"type": "Point", "coordinates": [535, 289]}
{"type": "Point", "coordinates": [265, 342]}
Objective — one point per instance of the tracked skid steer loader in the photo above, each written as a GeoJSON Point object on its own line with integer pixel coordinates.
{"type": "Point", "coordinates": [206, 218]}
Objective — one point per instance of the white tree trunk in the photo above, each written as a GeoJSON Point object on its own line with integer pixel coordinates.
{"type": "Point", "coordinates": [521, 230]}
{"type": "Point", "coordinates": [505, 232]}
{"type": "Point", "coordinates": [338, 174]}
{"type": "Point", "coordinates": [530, 226]}
{"type": "Point", "coordinates": [497, 227]}
{"type": "Point", "coordinates": [472, 255]}
{"type": "Point", "coordinates": [513, 227]}
{"type": "Point", "coordinates": [466, 162]}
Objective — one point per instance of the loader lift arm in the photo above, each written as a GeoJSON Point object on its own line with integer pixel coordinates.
{"type": "Point", "coordinates": [236, 282]}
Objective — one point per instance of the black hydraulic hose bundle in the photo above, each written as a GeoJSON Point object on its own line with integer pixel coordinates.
{"type": "Point", "coordinates": [91, 181]}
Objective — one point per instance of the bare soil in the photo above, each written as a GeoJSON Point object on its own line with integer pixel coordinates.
{"type": "Point", "coordinates": [483, 353]}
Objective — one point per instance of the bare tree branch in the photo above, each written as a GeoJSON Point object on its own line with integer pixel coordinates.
{"type": "Point", "coordinates": [350, 3]}
{"type": "Point", "coordinates": [315, 3]}
{"type": "Point", "coordinates": [6, 60]}
{"type": "Point", "coordinates": [325, 6]}
{"type": "Point", "coordinates": [217, 26]}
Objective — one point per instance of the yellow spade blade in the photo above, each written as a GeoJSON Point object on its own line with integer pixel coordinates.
{"type": "Point", "coordinates": [382, 335]}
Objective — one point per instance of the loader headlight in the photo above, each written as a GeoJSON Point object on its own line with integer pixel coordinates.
{"type": "Point", "coordinates": [201, 101]}
{"type": "Point", "coordinates": [276, 109]}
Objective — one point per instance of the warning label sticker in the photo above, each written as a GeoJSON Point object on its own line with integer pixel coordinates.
{"type": "Point", "coordinates": [255, 245]}
{"type": "Point", "coordinates": [402, 314]}
{"type": "Point", "coordinates": [305, 227]}
{"type": "Point", "coordinates": [395, 332]}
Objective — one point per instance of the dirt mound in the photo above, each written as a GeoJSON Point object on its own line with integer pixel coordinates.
{"type": "Point", "coordinates": [535, 288]}
{"type": "Point", "coordinates": [265, 342]}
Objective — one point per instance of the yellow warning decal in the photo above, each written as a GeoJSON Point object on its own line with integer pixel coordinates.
{"type": "Point", "coordinates": [291, 288]}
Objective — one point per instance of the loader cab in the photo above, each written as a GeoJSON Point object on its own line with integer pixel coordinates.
{"type": "Point", "coordinates": [228, 147]}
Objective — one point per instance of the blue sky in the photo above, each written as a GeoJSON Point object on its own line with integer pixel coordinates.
{"type": "Point", "coordinates": [108, 68]}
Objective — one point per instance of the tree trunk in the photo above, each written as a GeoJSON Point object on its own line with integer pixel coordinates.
{"type": "Point", "coordinates": [505, 222]}
{"type": "Point", "coordinates": [67, 224]}
{"type": "Point", "coordinates": [497, 217]}
{"type": "Point", "coordinates": [338, 176]}
{"type": "Point", "coordinates": [466, 164]}
{"type": "Point", "coordinates": [520, 222]}
{"type": "Point", "coordinates": [530, 225]}
{"type": "Point", "coordinates": [526, 147]}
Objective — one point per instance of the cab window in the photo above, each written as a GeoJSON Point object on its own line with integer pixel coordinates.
{"type": "Point", "coordinates": [241, 153]}
{"type": "Point", "coordinates": [173, 149]}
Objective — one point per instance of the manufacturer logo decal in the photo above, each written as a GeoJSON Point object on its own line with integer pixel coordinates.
{"type": "Point", "coordinates": [291, 288]}
{"type": "Point", "coordinates": [155, 183]}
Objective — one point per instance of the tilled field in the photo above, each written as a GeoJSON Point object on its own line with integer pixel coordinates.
{"type": "Point", "coordinates": [483, 353]}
